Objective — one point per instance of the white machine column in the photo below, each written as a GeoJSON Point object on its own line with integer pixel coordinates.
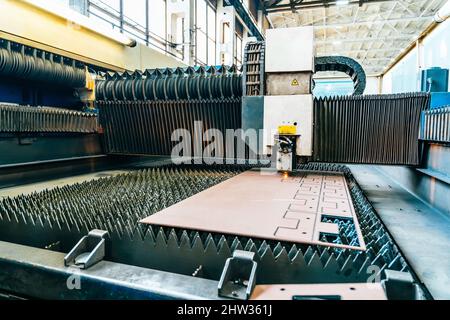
{"type": "Point", "coordinates": [288, 103]}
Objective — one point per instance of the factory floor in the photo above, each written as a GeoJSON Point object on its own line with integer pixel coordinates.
{"type": "Point", "coordinates": [421, 232]}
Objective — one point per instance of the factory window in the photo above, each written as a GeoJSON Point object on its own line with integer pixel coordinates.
{"type": "Point", "coordinates": [134, 12]}
{"type": "Point", "coordinates": [226, 40]}
{"type": "Point", "coordinates": [238, 35]}
{"type": "Point", "coordinates": [211, 35]}
{"type": "Point", "coordinates": [112, 4]}
{"type": "Point", "coordinates": [253, 8]}
{"type": "Point", "coordinates": [134, 19]}
{"type": "Point", "coordinates": [176, 34]}
{"type": "Point", "coordinates": [205, 21]}
{"type": "Point", "coordinates": [403, 77]}
{"type": "Point", "coordinates": [157, 15]}
{"type": "Point", "coordinates": [106, 13]}
{"type": "Point", "coordinates": [143, 20]}
{"type": "Point", "coordinates": [333, 87]}
{"type": "Point", "coordinates": [238, 50]}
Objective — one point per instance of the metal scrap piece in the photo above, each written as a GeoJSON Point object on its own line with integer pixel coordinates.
{"type": "Point", "coordinates": [341, 291]}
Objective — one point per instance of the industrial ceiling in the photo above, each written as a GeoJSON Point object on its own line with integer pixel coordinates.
{"type": "Point", "coordinates": [372, 32]}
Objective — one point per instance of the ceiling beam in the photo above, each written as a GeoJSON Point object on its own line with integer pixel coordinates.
{"type": "Point", "coordinates": [322, 49]}
{"type": "Point", "coordinates": [384, 39]}
{"type": "Point", "coordinates": [313, 4]}
{"type": "Point", "coordinates": [374, 22]}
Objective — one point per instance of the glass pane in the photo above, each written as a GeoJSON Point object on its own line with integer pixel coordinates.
{"type": "Point", "coordinates": [327, 88]}
{"type": "Point", "coordinates": [201, 15]}
{"type": "Point", "coordinates": [238, 48]}
{"type": "Point", "coordinates": [102, 19]}
{"type": "Point", "coordinates": [211, 52]}
{"type": "Point", "coordinates": [226, 33]}
{"type": "Point", "coordinates": [179, 31]}
{"type": "Point", "coordinates": [405, 75]}
{"type": "Point", "coordinates": [437, 47]}
{"type": "Point", "coordinates": [157, 18]}
{"type": "Point", "coordinates": [226, 58]}
{"type": "Point", "coordinates": [201, 47]}
{"type": "Point", "coordinates": [134, 11]}
{"type": "Point", "coordinates": [113, 5]}
{"type": "Point", "coordinates": [211, 23]}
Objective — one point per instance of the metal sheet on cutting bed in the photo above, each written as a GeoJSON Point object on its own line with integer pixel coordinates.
{"type": "Point", "coordinates": [268, 206]}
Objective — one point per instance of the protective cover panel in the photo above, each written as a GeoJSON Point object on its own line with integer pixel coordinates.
{"type": "Point", "coordinates": [262, 204]}
{"type": "Point", "coordinates": [372, 129]}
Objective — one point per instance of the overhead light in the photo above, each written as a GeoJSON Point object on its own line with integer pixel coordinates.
{"type": "Point", "coordinates": [337, 42]}
{"type": "Point", "coordinates": [342, 2]}
{"type": "Point", "coordinates": [81, 20]}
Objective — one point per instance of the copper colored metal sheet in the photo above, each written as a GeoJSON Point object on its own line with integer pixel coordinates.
{"type": "Point", "coordinates": [267, 206]}
{"type": "Point", "coordinates": [345, 291]}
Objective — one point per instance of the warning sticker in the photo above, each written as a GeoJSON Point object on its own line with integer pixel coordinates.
{"type": "Point", "coordinates": [295, 83]}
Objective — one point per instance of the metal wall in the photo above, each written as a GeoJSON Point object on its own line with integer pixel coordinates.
{"type": "Point", "coordinates": [373, 129]}
{"type": "Point", "coordinates": [431, 182]}
{"type": "Point", "coordinates": [436, 125]}
{"type": "Point", "coordinates": [145, 127]}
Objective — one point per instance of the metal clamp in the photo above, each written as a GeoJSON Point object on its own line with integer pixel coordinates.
{"type": "Point", "coordinates": [399, 285]}
{"type": "Point", "coordinates": [88, 251]}
{"type": "Point", "coordinates": [238, 276]}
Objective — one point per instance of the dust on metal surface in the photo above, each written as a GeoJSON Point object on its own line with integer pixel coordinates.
{"type": "Point", "coordinates": [269, 206]}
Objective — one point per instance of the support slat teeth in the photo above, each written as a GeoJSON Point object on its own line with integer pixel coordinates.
{"type": "Point", "coordinates": [293, 252]}
{"type": "Point", "coordinates": [250, 246]}
{"type": "Point", "coordinates": [348, 267]}
{"type": "Point", "coordinates": [267, 255]}
{"type": "Point", "coordinates": [309, 253]}
{"type": "Point", "coordinates": [325, 256]}
{"type": "Point", "coordinates": [209, 239]}
{"type": "Point", "coordinates": [282, 256]}
{"type": "Point", "coordinates": [137, 235]}
{"type": "Point", "coordinates": [262, 248]}
{"type": "Point", "coordinates": [161, 238]}
{"type": "Point", "coordinates": [278, 248]}
{"type": "Point", "coordinates": [315, 262]}
{"type": "Point", "coordinates": [172, 239]}
{"type": "Point", "coordinates": [236, 245]}
{"type": "Point", "coordinates": [224, 249]}
{"type": "Point", "coordinates": [332, 265]}
{"type": "Point", "coordinates": [185, 242]}
{"type": "Point", "coordinates": [197, 245]}
{"type": "Point", "coordinates": [299, 260]}
{"type": "Point", "coordinates": [114, 203]}
{"type": "Point", "coordinates": [210, 246]}
{"type": "Point", "coordinates": [364, 266]}
{"type": "Point", "coordinates": [150, 234]}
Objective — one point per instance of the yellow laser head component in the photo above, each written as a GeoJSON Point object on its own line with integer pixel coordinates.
{"type": "Point", "coordinates": [287, 129]}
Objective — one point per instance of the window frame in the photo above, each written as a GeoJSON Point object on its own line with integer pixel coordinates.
{"type": "Point", "coordinates": [142, 33]}
{"type": "Point", "coordinates": [209, 7]}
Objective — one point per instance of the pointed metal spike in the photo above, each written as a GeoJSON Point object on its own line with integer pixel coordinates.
{"type": "Point", "coordinates": [277, 249]}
